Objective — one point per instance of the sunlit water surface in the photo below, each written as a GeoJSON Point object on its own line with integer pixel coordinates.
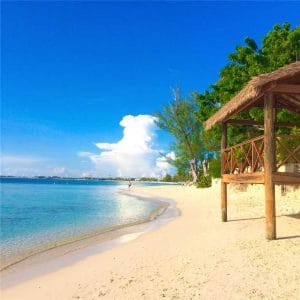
{"type": "Point", "coordinates": [37, 214]}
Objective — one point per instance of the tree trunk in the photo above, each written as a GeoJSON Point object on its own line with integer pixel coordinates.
{"type": "Point", "coordinates": [194, 170]}
{"type": "Point", "coordinates": [205, 167]}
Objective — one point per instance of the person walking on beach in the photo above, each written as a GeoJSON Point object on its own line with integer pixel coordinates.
{"type": "Point", "coordinates": [129, 184]}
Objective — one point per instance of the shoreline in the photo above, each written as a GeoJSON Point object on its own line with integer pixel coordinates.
{"type": "Point", "coordinates": [66, 253]}
{"type": "Point", "coordinates": [6, 264]}
{"type": "Point", "coordinates": [195, 256]}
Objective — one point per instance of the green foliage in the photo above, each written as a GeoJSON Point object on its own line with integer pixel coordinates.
{"type": "Point", "coordinates": [288, 144]}
{"type": "Point", "coordinates": [215, 167]}
{"type": "Point", "coordinates": [280, 46]}
{"type": "Point", "coordinates": [178, 118]}
{"type": "Point", "coordinates": [167, 178]}
{"type": "Point", "coordinates": [176, 178]}
{"type": "Point", "coordinates": [182, 177]}
{"type": "Point", "coordinates": [239, 155]}
{"type": "Point", "coordinates": [183, 118]}
{"type": "Point", "coordinates": [204, 181]}
{"type": "Point", "coordinates": [148, 179]}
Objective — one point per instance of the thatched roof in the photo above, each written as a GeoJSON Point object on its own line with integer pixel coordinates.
{"type": "Point", "coordinates": [252, 94]}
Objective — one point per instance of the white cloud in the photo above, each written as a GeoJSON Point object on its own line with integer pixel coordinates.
{"type": "Point", "coordinates": [19, 165]}
{"type": "Point", "coordinates": [19, 160]}
{"type": "Point", "coordinates": [23, 165]}
{"type": "Point", "coordinates": [105, 146]}
{"type": "Point", "coordinates": [59, 171]}
{"type": "Point", "coordinates": [162, 163]}
{"type": "Point", "coordinates": [134, 155]}
{"type": "Point", "coordinates": [84, 154]}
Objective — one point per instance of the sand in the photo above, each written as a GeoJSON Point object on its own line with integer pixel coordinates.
{"type": "Point", "coordinates": [194, 256]}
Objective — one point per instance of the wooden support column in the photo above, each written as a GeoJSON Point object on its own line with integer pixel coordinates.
{"type": "Point", "coordinates": [223, 184]}
{"type": "Point", "coordinates": [269, 166]}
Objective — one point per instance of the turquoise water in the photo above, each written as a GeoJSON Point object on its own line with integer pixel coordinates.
{"type": "Point", "coordinates": [37, 214]}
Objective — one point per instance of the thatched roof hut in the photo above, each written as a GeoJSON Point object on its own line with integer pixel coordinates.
{"type": "Point", "coordinates": [256, 161]}
{"type": "Point", "coordinates": [285, 79]}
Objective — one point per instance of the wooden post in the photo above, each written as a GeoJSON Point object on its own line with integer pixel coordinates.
{"type": "Point", "coordinates": [269, 166]}
{"type": "Point", "coordinates": [223, 184]}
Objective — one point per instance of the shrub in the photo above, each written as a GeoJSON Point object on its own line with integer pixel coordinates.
{"type": "Point", "coordinates": [204, 181]}
{"type": "Point", "coordinates": [215, 167]}
{"type": "Point", "coordinates": [239, 155]}
{"type": "Point", "coordinates": [167, 178]}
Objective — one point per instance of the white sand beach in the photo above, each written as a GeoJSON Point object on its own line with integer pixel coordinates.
{"type": "Point", "coordinates": [194, 256]}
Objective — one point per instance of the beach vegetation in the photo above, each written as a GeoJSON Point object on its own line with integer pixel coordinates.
{"type": "Point", "coordinates": [167, 178]}
{"type": "Point", "coordinates": [204, 181]}
{"type": "Point", "coordinates": [215, 167]}
{"type": "Point", "coordinates": [151, 179]}
{"type": "Point", "coordinates": [184, 177]}
{"type": "Point", "coordinates": [178, 118]}
{"type": "Point", "coordinates": [184, 118]}
{"type": "Point", "coordinates": [279, 47]}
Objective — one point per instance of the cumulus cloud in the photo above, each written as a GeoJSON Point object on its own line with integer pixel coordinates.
{"type": "Point", "coordinates": [134, 155]}
{"type": "Point", "coordinates": [162, 163]}
{"type": "Point", "coordinates": [84, 154]}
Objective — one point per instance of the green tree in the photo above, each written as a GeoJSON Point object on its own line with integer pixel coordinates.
{"type": "Point", "coordinates": [280, 46]}
{"type": "Point", "coordinates": [178, 118]}
{"type": "Point", "coordinates": [215, 167]}
{"type": "Point", "coordinates": [167, 178]}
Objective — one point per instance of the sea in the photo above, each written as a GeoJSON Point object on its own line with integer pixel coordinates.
{"type": "Point", "coordinates": [39, 214]}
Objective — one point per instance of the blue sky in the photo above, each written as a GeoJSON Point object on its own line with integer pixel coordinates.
{"type": "Point", "coordinates": [71, 71]}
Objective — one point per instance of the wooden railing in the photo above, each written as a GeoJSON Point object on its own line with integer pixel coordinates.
{"type": "Point", "coordinates": [287, 149]}
{"type": "Point", "coordinates": [248, 157]}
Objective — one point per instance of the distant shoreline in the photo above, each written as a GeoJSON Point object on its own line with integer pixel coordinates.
{"type": "Point", "coordinates": [88, 179]}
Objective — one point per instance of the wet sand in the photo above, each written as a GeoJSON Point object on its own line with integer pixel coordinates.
{"type": "Point", "coordinates": [63, 254]}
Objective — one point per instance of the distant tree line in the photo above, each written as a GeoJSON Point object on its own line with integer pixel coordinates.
{"type": "Point", "coordinates": [198, 151]}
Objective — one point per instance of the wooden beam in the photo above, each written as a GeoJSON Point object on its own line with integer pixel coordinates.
{"type": "Point", "coordinates": [291, 103]}
{"type": "Point", "coordinates": [223, 184]}
{"type": "Point", "coordinates": [258, 123]}
{"type": "Point", "coordinates": [286, 88]}
{"type": "Point", "coordinates": [269, 166]}
{"type": "Point", "coordinates": [293, 99]}
{"type": "Point", "coordinates": [259, 178]}
{"type": "Point", "coordinates": [286, 178]}
{"type": "Point", "coordinates": [247, 178]}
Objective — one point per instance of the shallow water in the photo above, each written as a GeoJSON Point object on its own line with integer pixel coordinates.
{"type": "Point", "coordinates": [38, 214]}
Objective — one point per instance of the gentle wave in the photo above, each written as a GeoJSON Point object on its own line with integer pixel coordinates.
{"type": "Point", "coordinates": [56, 215]}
